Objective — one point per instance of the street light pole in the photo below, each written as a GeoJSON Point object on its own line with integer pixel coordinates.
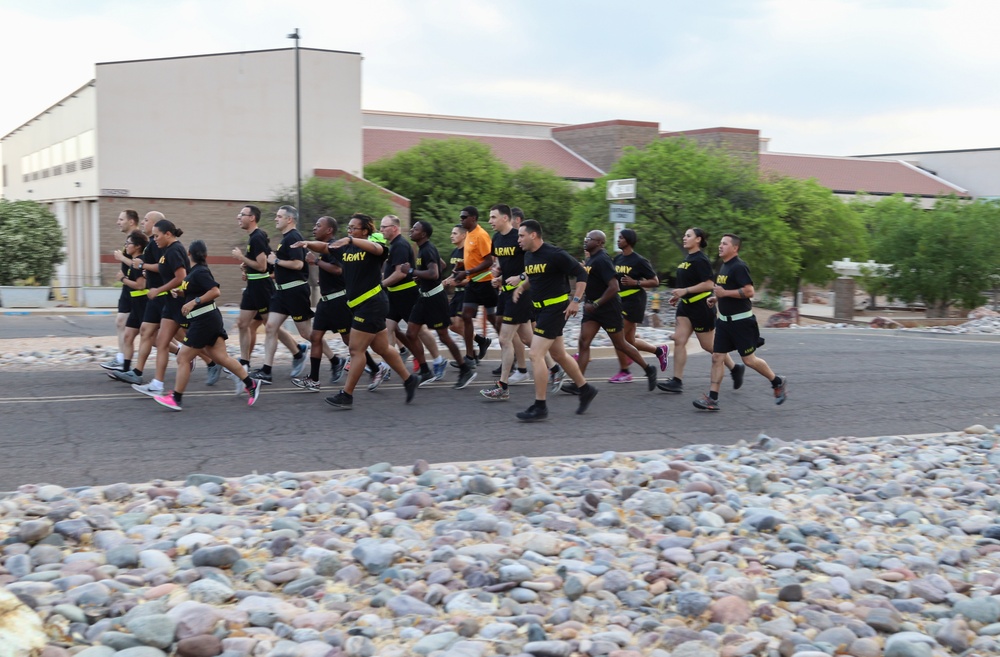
{"type": "Point", "coordinates": [298, 131]}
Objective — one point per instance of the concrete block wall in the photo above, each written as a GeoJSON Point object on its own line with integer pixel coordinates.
{"type": "Point", "coordinates": [741, 143]}
{"type": "Point", "coordinates": [602, 144]}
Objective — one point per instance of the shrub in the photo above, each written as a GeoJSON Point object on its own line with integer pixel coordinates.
{"type": "Point", "coordinates": [31, 243]}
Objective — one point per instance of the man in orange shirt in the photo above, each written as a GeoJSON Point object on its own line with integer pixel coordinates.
{"type": "Point", "coordinates": [475, 275]}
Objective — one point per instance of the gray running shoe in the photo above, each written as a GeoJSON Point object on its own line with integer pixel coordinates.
{"type": "Point", "coordinates": [214, 372]}
{"type": "Point", "coordinates": [341, 400]}
{"type": "Point", "coordinates": [261, 376]}
{"type": "Point", "coordinates": [337, 371]}
{"type": "Point", "coordinates": [779, 392]}
{"type": "Point", "coordinates": [306, 384]}
{"type": "Point", "coordinates": [299, 361]}
{"type": "Point", "coordinates": [496, 393]}
{"type": "Point", "coordinates": [465, 378]}
{"type": "Point", "coordinates": [673, 386]}
{"type": "Point", "coordinates": [556, 378]}
{"type": "Point", "coordinates": [112, 364]}
{"type": "Point", "coordinates": [125, 377]}
{"type": "Point", "coordinates": [237, 382]}
{"type": "Point", "coordinates": [380, 377]}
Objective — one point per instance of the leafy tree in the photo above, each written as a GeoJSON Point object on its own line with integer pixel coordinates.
{"type": "Point", "coordinates": [823, 226]}
{"type": "Point", "coordinates": [545, 197]}
{"type": "Point", "coordinates": [944, 256]}
{"type": "Point", "coordinates": [31, 243]}
{"type": "Point", "coordinates": [337, 198]}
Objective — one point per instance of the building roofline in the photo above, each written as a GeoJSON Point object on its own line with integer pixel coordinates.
{"type": "Point", "coordinates": [705, 131]}
{"type": "Point", "coordinates": [455, 132]}
{"type": "Point", "coordinates": [955, 150]}
{"type": "Point", "coordinates": [50, 107]}
{"type": "Point", "coordinates": [601, 124]}
{"type": "Point", "coordinates": [223, 54]}
{"type": "Point", "coordinates": [423, 115]}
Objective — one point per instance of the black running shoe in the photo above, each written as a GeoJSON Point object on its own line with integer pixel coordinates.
{"type": "Point", "coordinates": [737, 375]}
{"type": "Point", "coordinates": [673, 386]}
{"type": "Point", "coordinates": [587, 394]}
{"type": "Point", "coordinates": [411, 385]}
{"type": "Point", "coordinates": [484, 344]}
{"type": "Point", "coordinates": [261, 376]}
{"type": "Point", "coordinates": [341, 400]}
{"type": "Point", "coordinates": [498, 371]}
{"type": "Point", "coordinates": [570, 388]}
{"type": "Point", "coordinates": [651, 377]}
{"type": "Point", "coordinates": [534, 414]}
{"type": "Point", "coordinates": [706, 403]}
{"type": "Point", "coordinates": [779, 391]}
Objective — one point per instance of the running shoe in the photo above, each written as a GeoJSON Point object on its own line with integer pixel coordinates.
{"type": "Point", "coordinates": [587, 394]}
{"type": "Point", "coordinates": [299, 361]}
{"type": "Point", "coordinates": [237, 382]}
{"type": "Point", "coordinates": [664, 357]}
{"type": "Point", "coordinates": [498, 370]}
{"type": "Point", "coordinates": [737, 375]}
{"type": "Point", "coordinates": [484, 344]}
{"type": "Point", "coordinates": [779, 392]}
{"type": "Point", "coordinates": [380, 377]}
{"type": "Point", "coordinates": [570, 388]}
{"type": "Point", "coordinates": [534, 414]}
{"type": "Point", "coordinates": [259, 375]}
{"type": "Point", "coordinates": [214, 372]}
{"type": "Point", "coordinates": [167, 400]}
{"type": "Point", "coordinates": [147, 390]}
{"type": "Point", "coordinates": [404, 353]}
{"type": "Point", "coordinates": [556, 378]}
{"type": "Point", "coordinates": [424, 378]}
{"type": "Point", "coordinates": [621, 377]}
{"type": "Point", "coordinates": [341, 400]}
{"type": "Point", "coordinates": [306, 384]}
{"type": "Point", "coordinates": [337, 371]}
{"type": "Point", "coordinates": [440, 367]}
{"type": "Point", "coordinates": [254, 393]}
{"type": "Point", "coordinates": [466, 377]}
{"type": "Point", "coordinates": [125, 377]}
{"type": "Point", "coordinates": [518, 377]}
{"type": "Point", "coordinates": [651, 377]}
{"type": "Point", "coordinates": [113, 364]}
{"type": "Point", "coordinates": [410, 385]}
{"type": "Point", "coordinates": [673, 386]}
{"type": "Point", "coordinates": [706, 403]}
{"type": "Point", "coordinates": [496, 393]}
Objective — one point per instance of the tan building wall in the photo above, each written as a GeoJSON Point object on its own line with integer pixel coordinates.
{"type": "Point", "coordinates": [603, 144]}
{"type": "Point", "coordinates": [741, 143]}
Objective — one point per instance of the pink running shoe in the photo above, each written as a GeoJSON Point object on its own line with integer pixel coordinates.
{"type": "Point", "coordinates": [167, 400]}
{"type": "Point", "coordinates": [254, 393]}
{"type": "Point", "coordinates": [664, 352]}
{"type": "Point", "coordinates": [576, 357]}
{"type": "Point", "coordinates": [621, 377]}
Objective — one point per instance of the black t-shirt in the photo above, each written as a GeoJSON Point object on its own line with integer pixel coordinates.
{"type": "Point", "coordinates": [548, 270]}
{"type": "Point", "coordinates": [426, 256]}
{"type": "Point", "coordinates": [362, 270]}
{"type": "Point", "coordinates": [400, 252]}
{"type": "Point", "coordinates": [634, 266]}
{"type": "Point", "coordinates": [132, 274]}
{"type": "Point", "coordinates": [125, 267]}
{"type": "Point", "coordinates": [509, 254]}
{"type": "Point", "coordinates": [172, 258]}
{"type": "Point", "coordinates": [283, 275]}
{"type": "Point", "coordinates": [329, 282]}
{"type": "Point", "coordinates": [197, 282]}
{"type": "Point", "coordinates": [695, 269]}
{"type": "Point", "coordinates": [257, 244]}
{"type": "Point", "coordinates": [151, 255]}
{"type": "Point", "coordinates": [734, 275]}
{"type": "Point", "coordinates": [600, 272]}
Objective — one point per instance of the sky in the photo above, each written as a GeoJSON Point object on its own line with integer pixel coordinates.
{"type": "Point", "coordinates": [831, 77]}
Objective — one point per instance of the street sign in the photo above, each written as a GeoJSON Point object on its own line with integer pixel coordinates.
{"type": "Point", "coordinates": [621, 190]}
{"type": "Point", "coordinates": [622, 214]}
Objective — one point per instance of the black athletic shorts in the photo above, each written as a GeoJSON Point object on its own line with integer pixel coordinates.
{"type": "Point", "coordinates": [551, 320]}
{"type": "Point", "coordinates": [125, 300]}
{"type": "Point", "coordinates": [457, 300]}
{"type": "Point", "coordinates": [609, 316]}
{"type": "Point", "coordinates": [137, 312]}
{"type": "Point", "coordinates": [257, 295]}
{"type": "Point", "coordinates": [702, 317]}
{"type": "Point", "coordinates": [369, 317]}
{"type": "Point", "coordinates": [401, 304]}
{"type": "Point", "coordinates": [431, 311]}
{"type": "Point", "coordinates": [511, 312]}
{"type": "Point", "coordinates": [293, 302]}
{"type": "Point", "coordinates": [481, 294]}
{"type": "Point", "coordinates": [172, 309]}
{"type": "Point", "coordinates": [333, 315]}
{"type": "Point", "coordinates": [634, 307]}
{"type": "Point", "coordinates": [154, 309]}
{"type": "Point", "coordinates": [742, 336]}
{"type": "Point", "coordinates": [205, 330]}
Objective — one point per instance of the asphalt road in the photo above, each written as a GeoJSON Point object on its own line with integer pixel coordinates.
{"type": "Point", "coordinates": [80, 428]}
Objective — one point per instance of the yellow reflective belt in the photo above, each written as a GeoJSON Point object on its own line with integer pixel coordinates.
{"type": "Point", "coordinates": [163, 293]}
{"type": "Point", "coordinates": [288, 286]}
{"type": "Point", "coordinates": [508, 288]}
{"type": "Point", "coordinates": [697, 297]}
{"type": "Point", "coordinates": [257, 277]}
{"type": "Point", "coordinates": [365, 297]}
{"type": "Point", "coordinates": [733, 318]}
{"type": "Point", "coordinates": [137, 293]}
{"type": "Point", "coordinates": [402, 286]}
{"type": "Point", "coordinates": [629, 292]}
{"type": "Point", "coordinates": [480, 277]}
{"type": "Point", "coordinates": [550, 302]}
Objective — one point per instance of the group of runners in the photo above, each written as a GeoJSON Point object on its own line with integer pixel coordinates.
{"type": "Point", "coordinates": [385, 294]}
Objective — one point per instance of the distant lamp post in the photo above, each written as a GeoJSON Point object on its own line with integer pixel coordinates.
{"type": "Point", "coordinates": [298, 131]}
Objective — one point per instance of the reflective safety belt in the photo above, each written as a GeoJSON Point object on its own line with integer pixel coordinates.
{"type": "Point", "coordinates": [697, 297]}
{"type": "Point", "coordinates": [333, 295]}
{"type": "Point", "coordinates": [480, 277]}
{"type": "Point", "coordinates": [432, 292]}
{"type": "Point", "coordinates": [200, 311]}
{"type": "Point", "coordinates": [733, 318]}
{"type": "Point", "coordinates": [508, 288]}
{"type": "Point", "coordinates": [288, 286]}
{"type": "Point", "coordinates": [402, 286]}
{"type": "Point", "coordinates": [629, 292]}
{"type": "Point", "coordinates": [163, 293]}
{"type": "Point", "coordinates": [364, 297]}
{"type": "Point", "coordinates": [550, 302]}
{"type": "Point", "coordinates": [258, 276]}
{"type": "Point", "coordinates": [137, 293]}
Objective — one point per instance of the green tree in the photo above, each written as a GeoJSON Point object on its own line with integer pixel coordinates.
{"type": "Point", "coordinates": [824, 227]}
{"type": "Point", "coordinates": [681, 185]}
{"type": "Point", "coordinates": [545, 197]}
{"type": "Point", "coordinates": [337, 198]}
{"type": "Point", "coordinates": [31, 243]}
{"type": "Point", "coordinates": [943, 256]}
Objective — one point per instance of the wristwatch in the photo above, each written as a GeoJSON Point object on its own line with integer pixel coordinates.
{"type": "Point", "coordinates": [576, 299]}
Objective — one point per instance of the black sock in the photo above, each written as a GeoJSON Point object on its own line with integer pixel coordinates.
{"type": "Point", "coordinates": [245, 363]}
{"type": "Point", "coordinates": [211, 363]}
{"type": "Point", "coordinates": [126, 365]}
{"type": "Point", "coordinates": [502, 384]}
{"type": "Point", "coordinates": [539, 403]}
{"type": "Point", "coordinates": [248, 382]}
{"type": "Point", "coordinates": [333, 360]}
{"type": "Point", "coordinates": [265, 369]}
{"type": "Point", "coordinates": [677, 380]}
{"type": "Point", "coordinates": [314, 364]}
{"type": "Point", "coordinates": [137, 371]}
{"type": "Point", "coordinates": [554, 368]}
{"type": "Point", "coordinates": [347, 394]}
{"type": "Point", "coordinates": [776, 381]}
{"type": "Point", "coordinates": [659, 351]}
{"type": "Point", "coordinates": [424, 369]}
{"type": "Point", "coordinates": [713, 394]}
{"type": "Point", "coordinates": [177, 397]}
{"type": "Point", "coordinates": [297, 355]}
{"type": "Point", "coordinates": [522, 370]}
